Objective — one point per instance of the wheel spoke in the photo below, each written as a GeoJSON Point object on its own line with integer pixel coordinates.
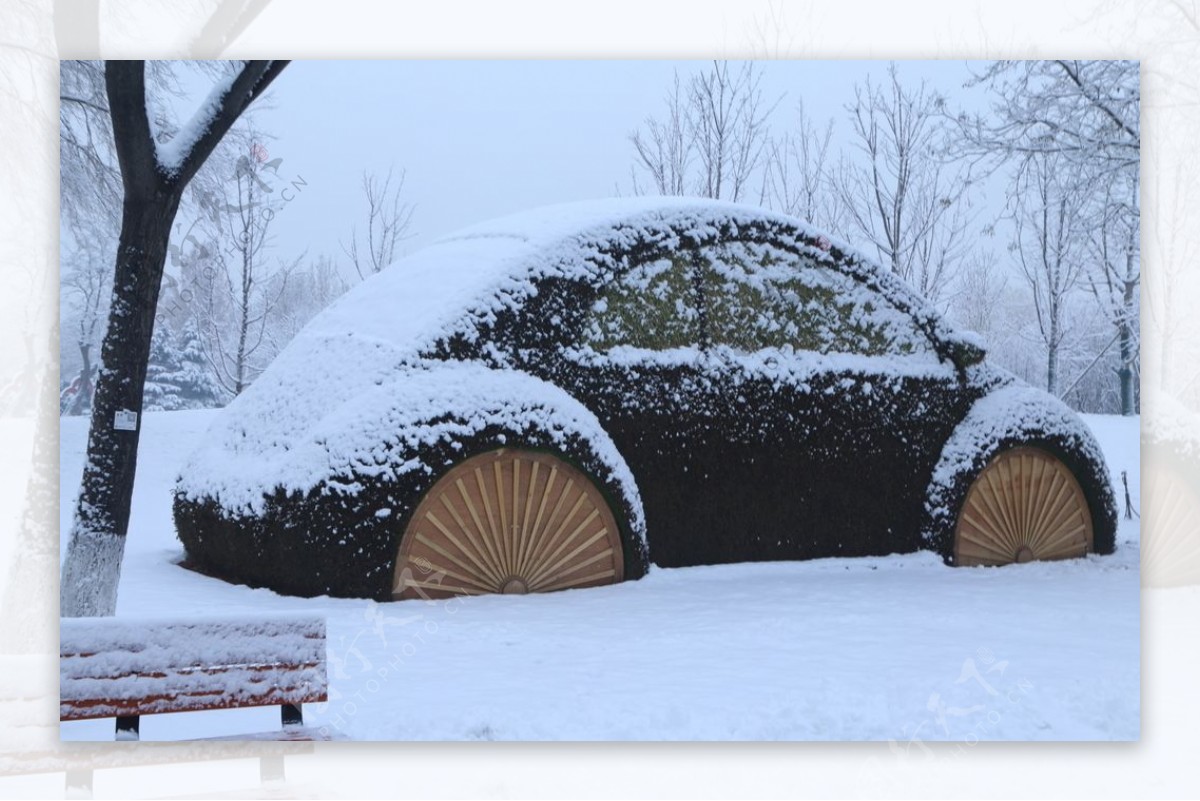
{"type": "Point", "coordinates": [556, 570]}
{"type": "Point", "coordinates": [484, 554]}
{"type": "Point", "coordinates": [550, 563]}
{"type": "Point", "coordinates": [526, 532]}
{"type": "Point", "coordinates": [506, 561]}
{"type": "Point", "coordinates": [492, 541]}
{"type": "Point", "coordinates": [579, 565]}
{"type": "Point", "coordinates": [986, 545]}
{"type": "Point", "coordinates": [985, 531]}
{"type": "Point", "coordinates": [548, 540]}
{"type": "Point", "coordinates": [473, 555]}
{"type": "Point", "coordinates": [537, 523]}
{"type": "Point", "coordinates": [987, 497]}
{"type": "Point", "coordinates": [474, 581]}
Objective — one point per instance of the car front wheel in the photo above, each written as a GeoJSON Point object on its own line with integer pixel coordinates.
{"type": "Point", "coordinates": [509, 521]}
{"type": "Point", "coordinates": [1024, 505]}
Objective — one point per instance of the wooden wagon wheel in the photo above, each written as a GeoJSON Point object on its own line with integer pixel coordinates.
{"type": "Point", "coordinates": [509, 521]}
{"type": "Point", "coordinates": [1025, 505]}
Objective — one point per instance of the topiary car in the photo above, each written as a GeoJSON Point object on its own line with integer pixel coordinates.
{"type": "Point", "coordinates": [556, 399]}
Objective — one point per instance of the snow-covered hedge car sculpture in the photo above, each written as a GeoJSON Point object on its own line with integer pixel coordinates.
{"type": "Point", "coordinates": [557, 399]}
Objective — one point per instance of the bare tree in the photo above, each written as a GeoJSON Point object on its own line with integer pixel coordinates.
{"type": "Point", "coordinates": [244, 303]}
{"type": "Point", "coordinates": [1115, 276]}
{"type": "Point", "coordinates": [91, 191]}
{"type": "Point", "coordinates": [899, 194]}
{"type": "Point", "coordinates": [1085, 112]}
{"type": "Point", "coordinates": [665, 147]}
{"type": "Point", "coordinates": [798, 180]}
{"type": "Point", "coordinates": [1084, 118]}
{"type": "Point", "coordinates": [729, 125]}
{"type": "Point", "coordinates": [308, 290]}
{"type": "Point", "coordinates": [712, 138]}
{"type": "Point", "coordinates": [237, 288]}
{"type": "Point", "coordinates": [980, 294]}
{"type": "Point", "coordinates": [89, 175]}
{"type": "Point", "coordinates": [1048, 243]}
{"type": "Point", "coordinates": [90, 180]}
{"type": "Point", "coordinates": [388, 220]}
{"type": "Point", "coordinates": [239, 300]}
{"type": "Point", "coordinates": [154, 175]}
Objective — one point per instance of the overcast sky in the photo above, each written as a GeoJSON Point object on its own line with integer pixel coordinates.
{"type": "Point", "coordinates": [483, 138]}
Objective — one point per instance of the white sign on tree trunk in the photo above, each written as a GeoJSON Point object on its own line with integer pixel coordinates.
{"type": "Point", "coordinates": [125, 420]}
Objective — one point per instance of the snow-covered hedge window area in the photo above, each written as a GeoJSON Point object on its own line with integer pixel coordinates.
{"type": "Point", "coordinates": [759, 296]}
{"type": "Point", "coordinates": [749, 296]}
{"type": "Point", "coordinates": [655, 305]}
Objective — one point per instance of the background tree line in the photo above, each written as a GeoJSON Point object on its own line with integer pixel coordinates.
{"type": "Point", "coordinates": [230, 300]}
{"type": "Point", "coordinates": [1020, 221]}
{"type": "Point", "coordinates": [1049, 274]}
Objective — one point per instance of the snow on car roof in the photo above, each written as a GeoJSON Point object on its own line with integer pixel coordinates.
{"type": "Point", "coordinates": [416, 300]}
{"type": "Point", "coordinates": [550, 224]}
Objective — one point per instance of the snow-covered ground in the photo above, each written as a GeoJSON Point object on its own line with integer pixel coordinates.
{"type": "Point", "coordinates": [896, 648]}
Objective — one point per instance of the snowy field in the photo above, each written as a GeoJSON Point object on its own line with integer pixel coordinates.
{"type": "Point", "coordinates": [895, 648]}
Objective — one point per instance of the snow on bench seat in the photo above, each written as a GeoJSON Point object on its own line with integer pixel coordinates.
{"type": "Point", "coordinates": [124, 668]}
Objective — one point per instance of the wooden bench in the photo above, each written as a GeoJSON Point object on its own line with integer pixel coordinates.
{"type": "Point", "coordinates": [125, 668]}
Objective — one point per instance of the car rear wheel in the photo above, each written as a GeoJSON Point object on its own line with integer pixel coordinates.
{"type": "Point", "coordinates": [1024, 505]}
{"type": "Point", "coordinates": [509, 521]}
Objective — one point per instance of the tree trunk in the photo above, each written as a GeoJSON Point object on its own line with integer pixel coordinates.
{"type": "Point", "coordinates": [91, 571]}
{"type": "Point", "coordinates": [244, 322]}
{"type": "Point", "coordinates": [1125, 371]}
{"type": "Point", "coordinates": [1052, 350]}
{"type": "Point", "coordinates": [1052, 370]}
{"type": "Point", "coordinates": [102, 514]}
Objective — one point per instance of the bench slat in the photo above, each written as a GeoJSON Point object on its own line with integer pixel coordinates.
{"type": "Point", "coordinates": [121, 667]}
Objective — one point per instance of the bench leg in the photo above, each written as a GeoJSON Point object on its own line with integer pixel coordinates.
{"type": "Point", "coordinates": [292, 715]}
{"type": "Point", "coordinates": [128, 728]}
